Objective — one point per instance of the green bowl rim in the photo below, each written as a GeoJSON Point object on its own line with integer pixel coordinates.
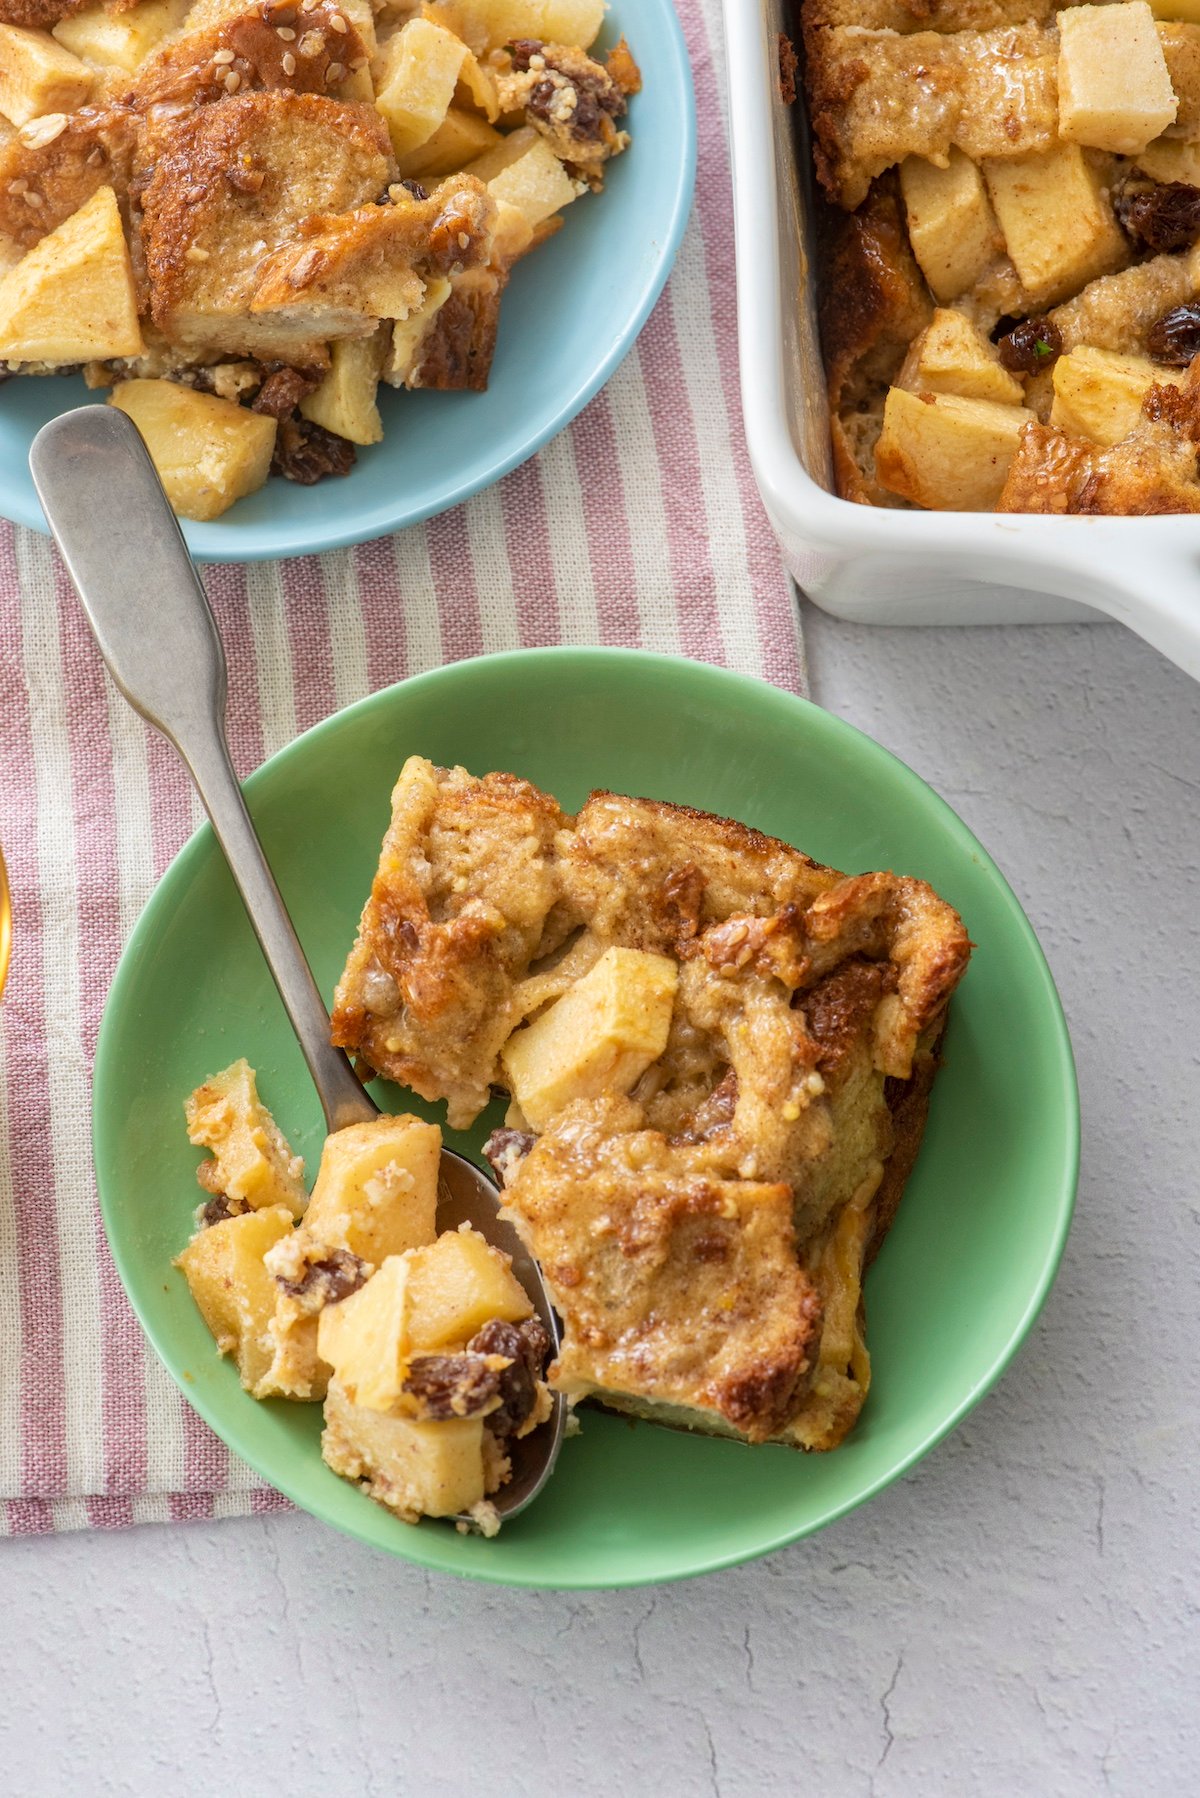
{"type": "Point", "coordinates": [615, 659]}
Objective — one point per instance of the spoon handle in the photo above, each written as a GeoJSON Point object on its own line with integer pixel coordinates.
{"type": "Point", "coordinates": [149, 613]}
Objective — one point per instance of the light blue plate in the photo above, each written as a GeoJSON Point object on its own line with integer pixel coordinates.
{"type": "Point", "coordinates": [570, 316]}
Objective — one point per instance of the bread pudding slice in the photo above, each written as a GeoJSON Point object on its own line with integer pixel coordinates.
{"type": "Point", "coordinates": [466, 896]}
{"type": "Point", "coordinates": [718, 1098]}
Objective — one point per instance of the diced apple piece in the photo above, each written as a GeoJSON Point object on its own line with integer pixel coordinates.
{"type": "Point", "coordinates": [416, 1469]}
{"type": "Point", "coordinates": [251, 1164]}
{"type": "Point", "coordinates": [415, 77]}
{"type": "Point", "coordinates": [120, 39]}
{"type": "Point", "coordinates": [1186, 12]}
{"type": "Point", "coordinates": [458, 140]}
{"type": "Point", "coordinates": [952, 355]}
{"type": "Point", "coordinates": [1114, 91]}
{"type": "Point", "coordinates": [408, 334]}
{"type": "Point", "coordinates": [365, 1340]}
{"type": "Point", "coordinates": [344, 403]}
{"type": "Point", "coordinates": [235, 1293]}
{"type": "Point", "coordinates": [376, 1190]}
{"type": "Point", "coordinates": [455, 1286]}
{"type": "Point", "coordinates": [208, 452]}
{"type": "Point", "coordinates": [534, 182]}
{"type": "Point", "coordinates": [951, 224]}
{"type": "Point", "coordinates": [38, 76]}
{"type": "Point", "coordinates": [1171, 159]}
{"type": "Point", "coordinates": [1057, 220]}
{"type": "Point", "coordinates": [945, 453]}
{"type": "Point", "coordinates": [71, 298]}
{"type": "Point", "coordinates": [490, 24]}
{"type": "Point", "coordinates": [1098, 394]}
{"type": "Point", "coordinates": [601, 1036]}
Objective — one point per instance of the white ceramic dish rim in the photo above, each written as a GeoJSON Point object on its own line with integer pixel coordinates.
{"type": "Point", "coordinates": [1141, 571]}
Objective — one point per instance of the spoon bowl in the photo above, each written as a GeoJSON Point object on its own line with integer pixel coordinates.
{"type": "Point", "coordinates": [120, 541]}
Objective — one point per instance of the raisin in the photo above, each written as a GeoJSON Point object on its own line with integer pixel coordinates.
{"type": "Point", "coordinates": [1174, 338]}
{"type": "Point", "coordinates": [526, 1347]}
{"type": "Point", "coordinates": [446, 1386]}
{"type": "Point", "coordinates": [215, 1211]}
{"type": "Point", "coordinates": [282, 391]}
{"type": "Point", "coordinates": [1164, 216]}
{"type": "Point", "coordinates": [1034, 344]}
{"type": "Point", "coordinates": [504, 1152]}
{"type": "Point", "coordinates": [329, 1280]}
{"type": "Point", "coordinates": [306, 453]}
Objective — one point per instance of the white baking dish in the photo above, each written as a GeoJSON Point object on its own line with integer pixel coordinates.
{"type": "Point", "coordinates": [865, 563]}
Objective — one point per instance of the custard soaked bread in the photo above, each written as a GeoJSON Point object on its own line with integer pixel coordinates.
{"type": "Point", "coordinates": [1032, 172]}
{"type": "Point", "coordinates": [726, 1050]}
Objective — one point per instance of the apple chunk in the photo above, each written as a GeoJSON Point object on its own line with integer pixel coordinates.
{"type": "Point", "coordinates": [71, 297]}
{"type": "Point", "coordinates": [1114, 91]}
{"type": "Point", "coordinates": [945, 453]}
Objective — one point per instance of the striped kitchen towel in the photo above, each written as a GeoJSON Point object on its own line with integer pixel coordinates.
{"type": "Point", "coordinates": [640, 525]}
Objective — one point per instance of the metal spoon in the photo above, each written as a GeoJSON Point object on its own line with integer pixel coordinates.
{"type": "Point", "coordinates": [129, 564]}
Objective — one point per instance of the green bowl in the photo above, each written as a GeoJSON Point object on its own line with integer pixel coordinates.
{"type": "Point", "coordinates": [979, 1235]}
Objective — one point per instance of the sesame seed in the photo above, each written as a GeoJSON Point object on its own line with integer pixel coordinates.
{"type": "Point", "coordinates": [337, 23]}
{"type": "Point", "coordinates": [17, 185]}
{"type": "Point", "coordinates": [194, 253]}
{"type": "Point", "coordinates": [95, 157]}
{"type": "Point", "coordinates": [334, 73]}
{"type": "Point", "coordinates": [359, 62]}
{"type": "Point", "coordinates": [43, 131]}
{"type": "Point", "coordinates": [32, 199]}
{"type": "Point", "coordinates": [464, 240]}
{"type": "Point", "coordinates": [232, 82]}
{"type": "Point", "coordinates": [223, 57]}
{"type": "Point", "coordinates": [286, 33]}
{"type": "Point", "coordinates": [288, 65]}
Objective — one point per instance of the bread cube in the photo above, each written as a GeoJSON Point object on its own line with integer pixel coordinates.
{"type": "Point", "coordinates": [38, 76]}
{"type": "Point", "coordinates": [208, 451]}
{"type": "Point", "coordinates": [365, 1338]}
{"type": "Point", "coordinates": [600, 1037]}
{"type": "Point", "coordinates": [1114, 91]}
{"type": "Point", "coordinates": [120, 39]}
{"type": "Point", "coordinates": [71, 297]}
{"type": "Point", "coordinates": [232, 1288]}
{"type": "Point", "coordinates": [529, 176]}
{"type": "Point", "coordinates": [945, 453]}
{"type": "Point", "coordinates": [1098, 394]}
{"type": "Point", "coordinates": [458, 140]}
{"type": "Point", "coordinates": [376, 1190]}
{"type": "Point", "coordinates": [409, 334]}
{"type": "Point", "coordinates": [415, 1469]}
{"type": "Point", "coordinates": [415, 78]}
{"type": "Point", "coordinates": [344, 403]}
{"type": "Point", "coordinates": [952, 355]}
{"type": "Point", "coordinates": [1057, 220]}
{"type": "Point", "coordinates": [951, 224]}
{"type": "Point", "coordinates": [458, 1284]}
{"type": "Point", "coordinates": [252, 1165]}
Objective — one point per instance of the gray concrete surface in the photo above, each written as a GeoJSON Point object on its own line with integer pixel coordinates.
{"type": "Point", "coordinates": [1019, 1616]}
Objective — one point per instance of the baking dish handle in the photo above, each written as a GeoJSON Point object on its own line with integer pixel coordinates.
{"type": "Point", "coordinates": [1158, 596]}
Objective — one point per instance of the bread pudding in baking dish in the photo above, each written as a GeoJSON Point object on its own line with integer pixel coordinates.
{"type": "Point", "coordinates": [1010, 251]}
{"type": "Point", "coordinates": [719, 1057]}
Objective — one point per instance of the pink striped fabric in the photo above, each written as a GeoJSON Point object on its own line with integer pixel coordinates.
{"type": "Point", "coordinates": [639, 525]}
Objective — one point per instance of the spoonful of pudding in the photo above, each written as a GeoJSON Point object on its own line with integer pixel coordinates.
{"type": "Point", "coordinates": [430, 1424]}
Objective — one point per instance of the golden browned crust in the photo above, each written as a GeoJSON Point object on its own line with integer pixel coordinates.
{"type": "Point", "coordinates": [677, 1288]}
{"type": "Point", "coordinates": [205, 217]}
{"type": "Point", "coordinates": [456, 353]}
{"type": "Point", "coordinates": [1151, 473]}
{"type": "Point", "coordinates": [876, 97]}
{"type": "Point", "coordinates": [42, 187]}
{"type": "Point", "coordinates": [873, 304]}
{"type": "Point", "coordinates": [184, 70]}
{"type": "Point", "coordinates": [907, 16]}
{"type": "Point", "coordinates": [37, 15]}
